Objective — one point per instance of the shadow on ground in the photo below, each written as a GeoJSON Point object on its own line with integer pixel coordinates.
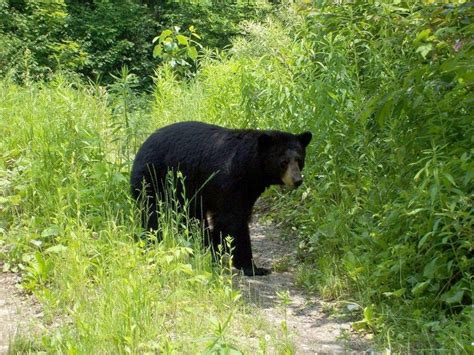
{"type": "Point", "coordinates": [313, 330]}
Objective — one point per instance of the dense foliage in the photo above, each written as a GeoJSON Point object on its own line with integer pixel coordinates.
{"type": "Point", "coordinates": [394, 206]}
{"type": "Point", "coordinates": [385, 219]}
{"type": "Point", "coordinates": [96, 38]}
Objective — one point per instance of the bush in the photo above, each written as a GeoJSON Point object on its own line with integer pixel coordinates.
{"type": "Point", "coordinates": [385, 218]}
{"type": "Point", "coordinates": [96, 38]}
{"type": "Point", "coordinates": [389, 200]}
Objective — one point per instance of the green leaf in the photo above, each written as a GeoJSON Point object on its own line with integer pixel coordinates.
{"type": "Point", "coordinates": [52, 231]}
{"type": "Point", "coordinates": [384, 112]}
{"type": "Point", "coordinates": [165, 34]}
{"type": "Point", "coordinates": [192, 53]}
{"type": "Point", "coordinates": [6, 267]}
{"type": "Point", "coordinates": [157, 51]}
{"type": "Point", "coordinates": [15, 200]}
{"type": "Point", "coordinates": [369, 315]}
{"type": "Point", "coordinates": [430, 268]}
{"type": "Point", "coordinates": [182, 40]}
{"type": "Point", "coordinates": [423, 35]}
{"type": "Point", "coordinates": [416, 211]}
{"type": "Point", "coordinates": [186, 268]}
{"type": "Point", "coordinates": [424, 49]}
{"type": "Point", "coordinates": [433, 192]}
{"type": "Point", "coordinates": [56, 249]}
{"type": "Point", "coordinates": [424, 239]}
{"type": "Point", "coordinates": [420, 287]}
{"type": "Point", "coordinates": [36, 243]}
{"type": "Point", "coordinates": [454, 295]}
{"type": "Point", "coordinates": [119, 177]}
{"type": "Point", "coordinates": [450, 178]}
{"type": "Point", "coordinates": [398, 293]}
{"type": "Point", "coordinates": [360, 325]}
{"type": "Point", "coordinates": [368, 109]}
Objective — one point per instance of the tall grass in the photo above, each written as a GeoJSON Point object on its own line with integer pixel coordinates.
{"type": "Point", "coordinates": [386, 219]}
{"type": "Point", "coordinates": [385, 216]}
{"type": "Point", "coordinates": [69, 225]}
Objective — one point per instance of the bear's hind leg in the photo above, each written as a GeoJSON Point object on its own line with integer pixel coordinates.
{"type": "Point", "coordinates": [151, 215]}
{"type": "Point", "coordinates": [236, 226]}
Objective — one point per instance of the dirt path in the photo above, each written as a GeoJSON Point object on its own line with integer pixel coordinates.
{"type": "Point", "coordinates": [17, 311]}
{"type": "Point", "coordinates": [313, 330]}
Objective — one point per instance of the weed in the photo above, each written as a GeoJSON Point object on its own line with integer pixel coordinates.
{"type": "Point", "coordinates": [385, 218]}
{"type": "Point", "coordinates": [69, 223]}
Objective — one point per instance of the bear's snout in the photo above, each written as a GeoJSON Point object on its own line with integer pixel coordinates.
{"type": "Point", "coordinates": [292, 175]}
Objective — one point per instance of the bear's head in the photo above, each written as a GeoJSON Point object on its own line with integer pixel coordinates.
{"type": "Point", "coordinates": [282, 156]}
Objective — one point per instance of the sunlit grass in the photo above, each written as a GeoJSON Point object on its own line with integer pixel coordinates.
{"type": "Point", "coordinates": [384, 218]}
{"type": "Point", "coordinates": [69, 226]}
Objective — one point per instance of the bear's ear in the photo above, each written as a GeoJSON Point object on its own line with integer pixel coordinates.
{"type": "Point", "coordinates": [265, 141]}
{"type": "Point", "coordinates": [305, 138]}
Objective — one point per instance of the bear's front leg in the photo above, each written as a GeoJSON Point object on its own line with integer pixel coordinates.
{"type": "Point", "coordinates": [236, 225]}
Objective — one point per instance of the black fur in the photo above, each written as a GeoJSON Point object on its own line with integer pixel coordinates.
{"type": "Point", "coordinates": [225, 171]}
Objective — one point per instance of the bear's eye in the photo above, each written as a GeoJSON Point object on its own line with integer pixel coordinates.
{"type": "Point", "coordinates": [284, 163]}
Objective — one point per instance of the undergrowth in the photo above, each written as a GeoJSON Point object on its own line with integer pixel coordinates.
{"type": "Point", "coordinates": [385, 217]}
{"type": "Point", "coordinates": [69, 226]}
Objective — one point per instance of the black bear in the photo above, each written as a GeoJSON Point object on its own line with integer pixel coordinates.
{"type": "Point", "coordinates": [225, 171]}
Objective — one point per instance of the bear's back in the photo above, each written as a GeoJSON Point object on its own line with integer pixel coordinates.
{"type": "Point", "coordinates": [198, 150]}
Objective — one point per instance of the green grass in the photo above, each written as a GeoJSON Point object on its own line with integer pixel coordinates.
{"type": "Point", "coordinates": [69, 226]}
{"type": "Point", "coordinates": [384, 219]}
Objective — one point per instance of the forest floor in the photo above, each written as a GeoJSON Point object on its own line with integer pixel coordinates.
{"type": "Point", "coordinates": [311, 322]}
{"type": "Point", "coordinates": [19, 312]}
{"type": "Point", "coordinates": [308, 320]}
